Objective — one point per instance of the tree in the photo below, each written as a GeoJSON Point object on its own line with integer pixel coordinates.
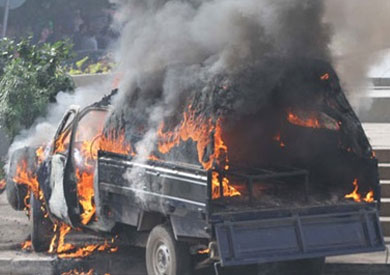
{"type": "Point", "coordinates": [31, 77]}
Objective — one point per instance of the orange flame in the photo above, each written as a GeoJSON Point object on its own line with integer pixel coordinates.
{"type": "Point", "coordinates": [278, 138]}
{"type": "Point", "coordinates": [67, 250]}
{"type": "Point", "coordinates": [52, 246]}
{"type": "Point", "coordinates": [62, 247]}
{"type": "Point", "coordinates": [115, 143]}
{"type": "Point", "coordinates": [311, 122]}
{"type": "Point", "coordinates": [85, 193]}
{"type": "Point", "coordinates": [84, 176]}
{"type": "Point", "coordinates": [305, 122]}
{"type": "Point", "coordinates": [83, 251]}
{"type": "Point", "coordinates": [26, 245]}
{"type": "Point", "coordinates": [204, 251]}
{"type": "Point", "coordinates": [61, 143]}
{"type": "Point", "coordinates": [325, 76]}
{"type": "Point", "coordinates": [3, 183]}
{"type": "Point", "coordinates": [112, 142]}
{"type": "Point", "coordinates": [369, 197]}
{"type": "Point", "coordinates": [24, 176]}
{"type": "Point", "coordinates": [354, 195]}
{"type": "Point", "coordinates": [57, 243]}
{"type": "Point", "coordinates": [228, 190]}
{"type": "Point", "coordinates": [358, 197]}
{"type": "Point", "coordinates": [220, 155]}
{"type": "Point", "coordinates": [40, 153]}
{"type": "Point", "coordinates": [199, 129]}
{"type": "Point", "coordinates": [88, 152]}
{"type": "Point", "coordinates": [203, 131]}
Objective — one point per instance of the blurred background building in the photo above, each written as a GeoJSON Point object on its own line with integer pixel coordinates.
{"type": "Point", "coordinates": [86, 24]}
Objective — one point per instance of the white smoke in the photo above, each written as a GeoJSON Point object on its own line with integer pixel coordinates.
{"type": "Point", "coordinates": [360, 32]}
{"type": "Point", "coordinates": [45, 127]}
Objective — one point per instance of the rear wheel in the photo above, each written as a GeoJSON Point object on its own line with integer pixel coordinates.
{"type": "Point", "coordinates": [166, 256]}
{"type": "Point", "coordinates": [41, 226]}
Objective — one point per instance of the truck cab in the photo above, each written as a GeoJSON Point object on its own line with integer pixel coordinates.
{"type": "Point", "coordinates": [63, 170]}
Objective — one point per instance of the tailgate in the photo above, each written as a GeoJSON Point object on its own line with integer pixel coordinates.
{"type": "Point", "coordinates": [248, 238]}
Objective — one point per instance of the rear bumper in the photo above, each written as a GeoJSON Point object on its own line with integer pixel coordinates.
{"type": "Point", "coordinates": [271, 236]}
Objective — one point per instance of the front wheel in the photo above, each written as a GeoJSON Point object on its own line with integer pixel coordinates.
{"type": "Point", "coordinates": [41, 226]}
{"type": "Point", "coordinates": [165, 255]}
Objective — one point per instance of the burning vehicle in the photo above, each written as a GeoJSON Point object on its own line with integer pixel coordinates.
{"type": "Point", "coordinates": [229, 181]}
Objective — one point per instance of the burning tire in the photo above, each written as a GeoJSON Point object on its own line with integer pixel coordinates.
{"type": "Point", "coordinates": [166, 256]}
{"type": "Point", "coordinates": [41, 226]}
{"type": "Point", "coordinates": [17, 190]}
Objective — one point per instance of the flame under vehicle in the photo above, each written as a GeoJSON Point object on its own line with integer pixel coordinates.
{"type": "Point", "coordinates": [294, 182]}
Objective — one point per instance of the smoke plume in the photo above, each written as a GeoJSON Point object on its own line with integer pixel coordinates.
{"type": "Point", "coordinates": [45, 127]}
{"type": "Point", "coordinates": [171, 50]}
{"type": "Point", "coordinates": [359, 29]}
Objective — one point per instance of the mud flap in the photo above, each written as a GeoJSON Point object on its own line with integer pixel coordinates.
{"type": "Point", "coordinates": [299, 236]}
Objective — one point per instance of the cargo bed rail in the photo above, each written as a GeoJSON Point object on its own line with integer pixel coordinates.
{"type": "Point", "coordinates": [298, 234]}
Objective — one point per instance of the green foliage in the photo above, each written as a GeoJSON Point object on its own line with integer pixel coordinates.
{"type": "Point", "coordinates": [31, 76]}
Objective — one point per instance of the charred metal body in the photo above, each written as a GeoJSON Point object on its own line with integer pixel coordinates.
{"type": "Point", "coordinates": [265, 181]}
{"type": "Point", "coordinates": [182, 195]}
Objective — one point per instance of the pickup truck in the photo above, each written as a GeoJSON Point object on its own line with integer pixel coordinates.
{"type": "Point", "coordinates": [182, 213]}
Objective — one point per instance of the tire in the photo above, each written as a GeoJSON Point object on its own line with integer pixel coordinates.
{"type": "Point", "coordinates": [16, 194]}
{"type": "Point", "coordinates": [166, 256]}
{"type": "Point", "coordinates": [297, 267]}
{"type": "Point", "coordinates": [41, 227]}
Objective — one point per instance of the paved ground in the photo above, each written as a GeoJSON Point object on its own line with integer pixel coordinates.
{"type": "Point", "coordinates": [14, 226]}
{"type": "Point", "coordinates": [125, 261]}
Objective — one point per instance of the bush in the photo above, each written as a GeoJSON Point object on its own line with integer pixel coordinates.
{"type": "Point", "coordinates": [30, 78]}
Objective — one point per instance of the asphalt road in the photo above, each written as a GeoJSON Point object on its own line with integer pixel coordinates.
{"type": "Point", "coordinates": [14, 225]}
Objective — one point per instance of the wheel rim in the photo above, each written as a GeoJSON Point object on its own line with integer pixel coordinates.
{"type": "Point", "coordinates": [162, 259]}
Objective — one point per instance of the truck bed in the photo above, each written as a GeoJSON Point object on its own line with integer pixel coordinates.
{"type": "Point", "coordinates": [245, 235]}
